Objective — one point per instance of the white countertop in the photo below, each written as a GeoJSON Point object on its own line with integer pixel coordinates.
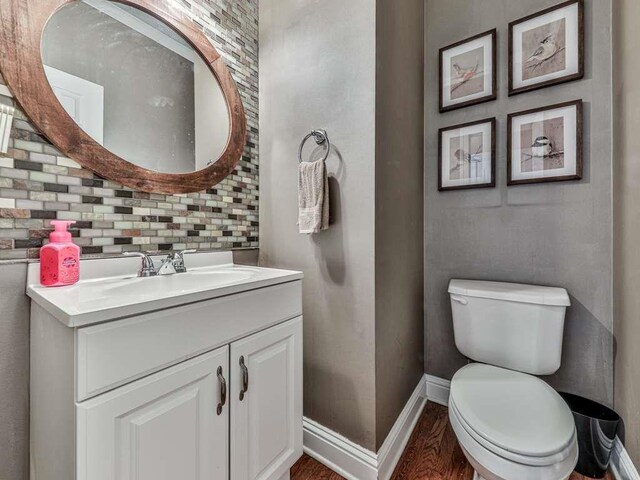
{"type": "Point", "coordinates": [110, 289]}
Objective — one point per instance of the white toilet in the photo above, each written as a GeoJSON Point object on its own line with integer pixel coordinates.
{"type": "Point", "coordinates": [510, 424]}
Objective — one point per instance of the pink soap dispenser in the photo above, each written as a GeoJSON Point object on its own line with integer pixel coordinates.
{"type": "Point", "coordinates": [60, 259]}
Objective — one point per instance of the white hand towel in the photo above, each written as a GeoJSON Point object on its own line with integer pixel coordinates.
{"type": "Point", "coordinates": [313, 197]}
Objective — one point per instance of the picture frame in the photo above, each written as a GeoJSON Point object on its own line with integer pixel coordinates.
{"type": "Point", "coordinates": [545, 144]}
{"type": "Point", "coordinates": [468, 72]}
{"type": "Point", "coordinates": [467, 155]}
{"type": "Point", "coordinates": [547, 48]}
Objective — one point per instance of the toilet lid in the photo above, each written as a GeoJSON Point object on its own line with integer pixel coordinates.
{"type": "Point", "coordinates": [514, 411]}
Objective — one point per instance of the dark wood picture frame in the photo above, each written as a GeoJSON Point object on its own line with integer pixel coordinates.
{"type": "Point", "coordinates": [22, 24]}
{"type": "Point", "coordinates": [579, 144]}
{"type": "Point", "coordinates": [581, 46]}
{"type": "Point", "coordinates": [493, 121]}
{"type": "Point", "coordinates": [494, 68]}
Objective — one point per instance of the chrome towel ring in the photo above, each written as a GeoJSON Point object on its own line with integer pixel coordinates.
{"type": "Point", "coordinates": [321, 138]}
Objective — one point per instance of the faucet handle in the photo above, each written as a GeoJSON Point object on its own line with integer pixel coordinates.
{"type": "Point", "coordinates": [178, 260]}
{"type": "Point", "coordinates": [148, 269]}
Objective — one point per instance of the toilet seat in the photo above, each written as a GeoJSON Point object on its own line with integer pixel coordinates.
{"type": "Point", "coordinates": [512, 425]}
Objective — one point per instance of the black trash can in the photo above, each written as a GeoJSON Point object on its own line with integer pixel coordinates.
{"type": "Point", "coordinates": [596, 427]}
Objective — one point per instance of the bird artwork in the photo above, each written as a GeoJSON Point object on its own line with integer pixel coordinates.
{"type": "Point", "coordinates": [464, 158]}
{"type": "Point", "coordinates": [547, 49]}
{"type": "Point", "coordinates": [541, 148]}
{"type": "Point", "coordinates": [463, 75]}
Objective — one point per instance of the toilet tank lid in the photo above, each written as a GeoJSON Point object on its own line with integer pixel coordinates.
{"type": "Point", "coordinates": [514, 292]}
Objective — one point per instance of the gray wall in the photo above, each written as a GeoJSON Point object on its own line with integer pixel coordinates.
{"type": "Point", "coordinates": [399, 214]}
{"type": "Point", "coordinates": [317, 70]}
{"type": "Point", "coordinates": [338, 65]}
{"type": "Point", "coordinates": [14, 373]}
{"type": "Point", "coordinates": [550, 234]}
{"type": "Point", "coordinates": [627, 221]}
{"type": "Point", "coordinates": [137, 74]}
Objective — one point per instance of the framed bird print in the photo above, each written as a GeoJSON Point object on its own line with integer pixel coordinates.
{"type": "Point", "coordinates": [468, 72]}
{"type": "Point", "coordinates": [545, 144]}
{"type": "Point", "coordinates": [467, 156]}
{"type": "Point", "coordinates": [547, 48]}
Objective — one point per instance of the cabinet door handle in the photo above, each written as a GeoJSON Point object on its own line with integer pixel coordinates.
{"type": "Point", "coordinates": [245, 379]}
{"type": "Point", "coordinates": [223, 391]}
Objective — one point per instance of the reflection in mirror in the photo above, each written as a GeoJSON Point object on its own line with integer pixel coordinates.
{"type": "Point", "coordinates": [135, 86]}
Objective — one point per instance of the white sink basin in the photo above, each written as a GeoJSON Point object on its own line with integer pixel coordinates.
{"type": "Point", "coordinates": [179, 283]}
{"type": "Point", "coordinates": [110, 287]}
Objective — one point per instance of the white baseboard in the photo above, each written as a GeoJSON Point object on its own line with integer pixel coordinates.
{"type": "Point", "coordinates": [621, 464]}
{"type": "Point", "coordinates": [437, 390]}
{"type": "Point", "coordinates": [339, 453]}
{"type": "Point", "coordinates": [397, 439]}
{"type": "Point", "coordinates": [355, 462]}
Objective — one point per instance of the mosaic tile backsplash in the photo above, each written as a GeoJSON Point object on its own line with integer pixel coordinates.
{"type": "Point", "coordinates": [38, 183]}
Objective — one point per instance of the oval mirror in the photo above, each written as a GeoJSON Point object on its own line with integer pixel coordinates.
{"type": "Point", "coordinates": [135, 86]}
{"type": "Point", "coordinates": [135, 93]}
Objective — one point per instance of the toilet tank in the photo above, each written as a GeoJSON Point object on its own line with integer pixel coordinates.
{"type": "Point", "coordinates": [509, 325]}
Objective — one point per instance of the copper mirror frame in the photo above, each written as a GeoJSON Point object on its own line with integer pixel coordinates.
{"type": "Point", "coordinates": [22, 24]}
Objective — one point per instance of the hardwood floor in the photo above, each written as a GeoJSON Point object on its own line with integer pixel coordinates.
{"type": "Point", "coordinates": [309, 469]}
{"type": "Point", "coordinates": [431, 454]}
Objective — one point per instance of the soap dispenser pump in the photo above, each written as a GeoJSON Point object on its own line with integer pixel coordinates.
{"type": "Point", "coordinates": [60, 258]}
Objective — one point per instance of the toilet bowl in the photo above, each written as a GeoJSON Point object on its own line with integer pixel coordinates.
{"type": "Point", "coordinates": [510, 424]}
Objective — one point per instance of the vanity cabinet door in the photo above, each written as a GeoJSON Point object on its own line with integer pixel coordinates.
{"type": "Point", "coordinates": [266, 403]}
{"type": "Point", "coordinates": [168, 426]}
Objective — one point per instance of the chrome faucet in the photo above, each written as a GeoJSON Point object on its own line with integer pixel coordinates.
{"type": "Point", "coordinates": [174, 263]}
{"type": "Point", "coordinates": [148, 269]}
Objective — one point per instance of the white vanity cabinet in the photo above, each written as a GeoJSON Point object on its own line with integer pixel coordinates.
{"type": "Point", "coordinates": [266, 372]}
{"type": "Point", "coordinates": [165, 426]}
{"type": "Point", "coordinates": [203, 390]}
